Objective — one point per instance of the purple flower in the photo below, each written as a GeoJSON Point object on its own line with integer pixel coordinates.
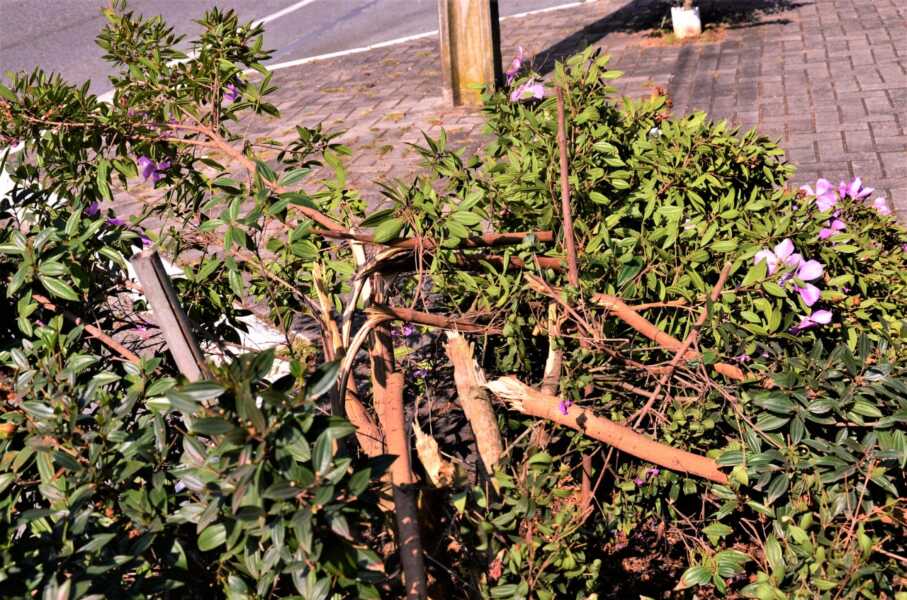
{"type": "Point", "coordinates": [528, 90]}
{"type": "Point", "coordinates": [159, 171]}
{"type": "Point", "coordinates": [834, 227]}
{"type": "Point", "coordinates": [638, 481]}
{"type": "Point", "coordinates": [563, 406]}
{"type": "Point", "coordinates": [407, 330]}
{"type": "Point", "coordinates": [231, 93]}
{"type": "Point", "coordinates": [116, 222]}
{"type": "Point", "coordinates": [855, 189]}
{"type": "Point", "coordinates": [819, 317]}
{"type": "Point", "coordinates": [904, 247]}
{"type": "Point", "coordinates": [743, 358]}
{"type": "Point", "coordinates": [782, 254]}
{"type": "Point", "coordinates": [652, 472]}
{"type": "Point", "coordinates": [881, 206]}
{"type": "Point", "coordinates": [146, 241]}
{"type": "Point", "coordinates": [146, 167]}
{"type": "Point", "coordinates": [420, 373]}
{"type": "Point", "coordinates": [92, 209]}
{"type": "Point", "coordinates": [515, 65]}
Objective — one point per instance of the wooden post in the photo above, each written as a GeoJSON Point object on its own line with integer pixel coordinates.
{"type": "Point", "coordinates": [169, 315]}
{"type": "Point", "coordinates": [470, 48]}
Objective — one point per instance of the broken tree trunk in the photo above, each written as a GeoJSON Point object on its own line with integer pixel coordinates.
{"type": "Point", "coordinates": [470, 382]}
{"type": "Point", "coordinates": [387, 391]}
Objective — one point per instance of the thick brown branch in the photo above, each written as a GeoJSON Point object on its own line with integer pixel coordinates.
{"type": "Point", "coordinates": [425, 243]}
{"type": "Point", "coordinates": [396, 313]}
{"type": "Point", "coordinates": [531, 402]}
{"type": "Point", "coordinates": [569, 236]}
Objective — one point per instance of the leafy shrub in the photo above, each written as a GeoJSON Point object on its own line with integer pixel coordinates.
{"type": "Point", "coordinates": [118, 482]}
{"type": "Point", "coordinates": [118, 479]}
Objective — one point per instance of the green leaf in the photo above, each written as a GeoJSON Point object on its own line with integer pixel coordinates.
{"type": "Point", "coordinates": [377, 217]}
{"type": "Point", "coordinates": [291, 177]}
{"type": "Point", "coordinates": [695, 575]}
{"type": "Point", "coordinates": [7, 93]}
{"type": "Point", "coordinates": [774, 556]}
{"type": "Point", "coordinates": [774, 289]}
{"type": "Point", "coordinates": [323, 453]}
{"type": "Point", "coordinates": [212, 426]}
{"type": "Point", "coordinates": [322, 380]}
{"type": "Point", "coordinates": [388, 230]}
{"type": "Point", "coordinates": [280, 490]}
{"type": "Point", "coordinates": [103, 179]}
{"type": "Point", "coordinates": [756, 273]}
{"type": "Point", "coordinates": [202, 391]}
{"type": "Point", "coordinates": [212, 537]}
{"type": "Point", "coordinates": [266, 172]}
{"type": "Point", "coordinates": [58, 288]}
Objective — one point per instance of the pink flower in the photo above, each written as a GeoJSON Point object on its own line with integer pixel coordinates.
{"type": "Point", "coordinates": [783, 254]}
{"type": "Point", "coordinates": [855, 189]}
{"type": "Point", "coordinates": [528, 90]}
{"type": "Point", "coordinates": [809, 293]}
{"type": "Point", "coordinates": [808, 271]}
{"type": "Point", "coordinates": [824, 193]}
{"type": "Point", "coordinates": [819, 317]}
{"type": "Point", "coordinates": [881, 206]}
{"type": "Point", "coordinates": [515, 65]}
{"type": "Point", "coordinates": [834, 227]}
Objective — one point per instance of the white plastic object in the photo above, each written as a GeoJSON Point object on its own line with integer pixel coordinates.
{"type": "Point", "coordinates": [686, 21]}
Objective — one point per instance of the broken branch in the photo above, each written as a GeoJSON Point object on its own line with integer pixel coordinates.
{"type": "Point", "coordinates": [531, 402]}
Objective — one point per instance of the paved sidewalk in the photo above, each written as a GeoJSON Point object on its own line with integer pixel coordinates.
{"type": "Point", "coordinates": [827, 77]}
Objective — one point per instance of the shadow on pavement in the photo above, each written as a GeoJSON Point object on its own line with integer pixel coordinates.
{"type": "Point", "coordinates": [654, 16]}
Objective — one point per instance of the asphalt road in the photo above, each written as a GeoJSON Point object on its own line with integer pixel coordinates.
{"type": "Point", "coordinates": [58, 35]}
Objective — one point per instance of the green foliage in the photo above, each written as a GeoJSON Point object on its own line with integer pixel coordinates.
{"type": "Point", "coordinates": [660, 205]}
{"type": "Point", "coordinates": [122, 483]}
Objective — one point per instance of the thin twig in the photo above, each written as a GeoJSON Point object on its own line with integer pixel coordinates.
{"type": "Point", "coordinates": [90, 329]}
{"type": "Point", "coordinates": [691, 338]}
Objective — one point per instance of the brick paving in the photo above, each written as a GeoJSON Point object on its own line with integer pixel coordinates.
{"type": "Point", "coordinates": [826, 77]}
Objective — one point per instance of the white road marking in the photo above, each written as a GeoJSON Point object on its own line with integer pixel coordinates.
{"type": "Point", "coordinates": [283, 12]}
{"type": "Point", "coordinates": [409, 38]}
